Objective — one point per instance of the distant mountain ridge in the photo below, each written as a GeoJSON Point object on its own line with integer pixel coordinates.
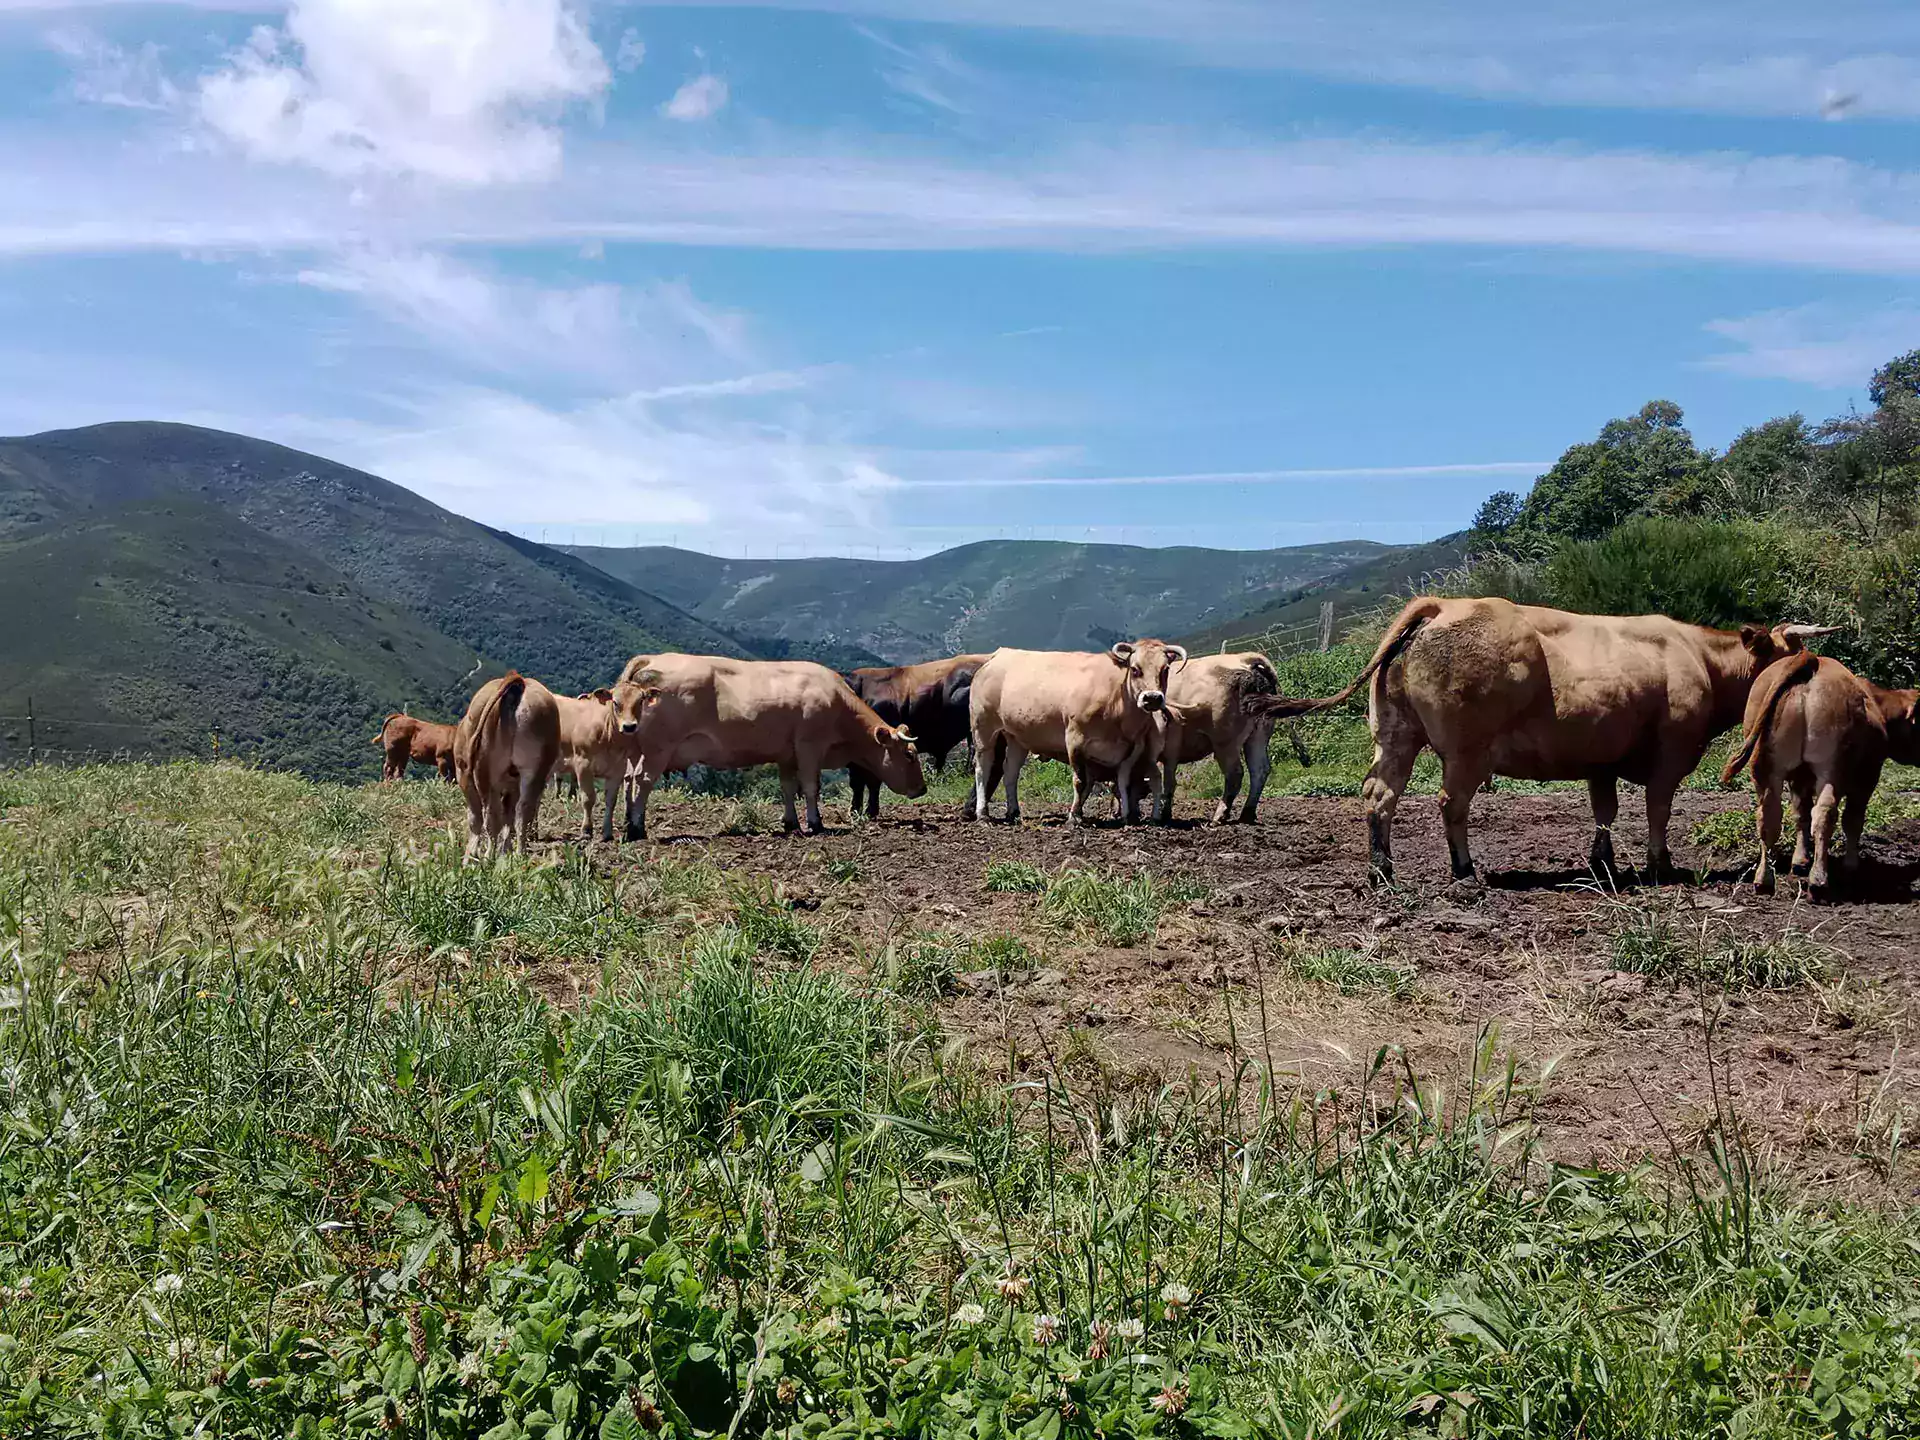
{"type": "Point", "coordinates": [1039, 594]}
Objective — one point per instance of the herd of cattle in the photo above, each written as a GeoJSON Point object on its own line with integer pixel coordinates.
{"type": "Point", "coordinates": [1493, 688]}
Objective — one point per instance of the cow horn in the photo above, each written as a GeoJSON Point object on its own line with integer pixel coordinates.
{"type": "Point", "coordinates": [1178, 652]}
{"type": "Point", "coordinates": [1122, 651]}
{"type": "Point", "coordinates": [900, 734]}
{"type": "Point", "coordinates": [1809, 632]}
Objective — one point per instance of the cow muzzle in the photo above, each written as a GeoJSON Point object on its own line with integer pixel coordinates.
{"type": "Point", "coordinates": [1151, 700]}
{"type": "Point", "coordinates": [627, 727]}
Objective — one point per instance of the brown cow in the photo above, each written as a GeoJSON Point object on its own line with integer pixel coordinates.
{"type": "Point", "coordinates": [504, 749]}
{"type": "Point", "coordinates": [404, 738]}
{"type": "Point", "coordinates": [1520, 690]}
{"type": "Point", "coordinates": [1815, 725]}
{"type": "Point", "coordinates": [593, 747]}
{"type": "Point", "coordinates": [711, 710]}
{"type": "Point", "coordinates": [929, 699]}
{"type": "Point", "coordinates": [1098, 712]}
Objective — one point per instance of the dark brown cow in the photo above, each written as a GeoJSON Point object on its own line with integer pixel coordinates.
{"type": "Point", "coordinates": [404, 738]}
{"type": "Point", "coordinates": [1815, 725]}
{"type": "Point", "coordinates": [929, 700]}
{"type": "Point", "coordinates": [1502, 689]}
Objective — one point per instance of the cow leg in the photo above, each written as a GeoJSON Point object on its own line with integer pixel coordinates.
{"type": "Point", "coordinates": [1853, 822]}
{"type": "Point", "coordinates": [1824, 805]}
{"type": "Point", "coordinates": [789, 787]}
{"type": "Point", "coordinates": [1604, 793]}
{"type": "Point", "coordinates": [499, 814]}
{"type": "Point", "coordinates": [1010, 761]}
{"type": "Point", "coordinates": [1803, 825]}
{"type": "Point", "coordinates": [1082, 783]}
{"type": "Point", "coordinates": [1766, 823]}
{"type": "Point", "coordinates": [1458, 780]}
{"type": "Point", "coordinates": [1659, 814]}
{"type": "Point", "coordinates": [1229, 785]}
{"type": "Point", "coordinates": [986, 774]}
{"type": "Point", "coordinates": [639, 787]}
{"type": "Point", "coordinates": [1168, 773]}
{"type": "Point", "coordinates": [1380, 795]}
{"type": "Point", "coordinates": [477, 820]}
{"type": "Point", "coordinates": [857, 789]}
{"type": "Point", "coordinates": [810, 789]}
{"type": "Point", "coordinates": [1259, 756]}
{"type": "Point", "coordinates": [588, 784]}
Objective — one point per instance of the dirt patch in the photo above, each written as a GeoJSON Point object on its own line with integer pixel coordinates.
{"type": "Point", "coordinates": [1816, 1073]}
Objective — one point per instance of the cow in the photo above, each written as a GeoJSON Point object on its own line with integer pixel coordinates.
{"type": "Point", "coordinates": [711, 710]}
{"type": "Point", "coordinates": [403, 738]}
{"type": "Point", "coordinates": [593, 747]}
{"type": "Point", "coordinates": [503, 751]}
{"type": "Point", "coordinates": [1099, 711]}
{"type": "Point", "coordinates": [1520, 690]}
{"type": "Point", "coordinates": [1815, 725]}
{"type": "Point", "coordinates": [929, 699]}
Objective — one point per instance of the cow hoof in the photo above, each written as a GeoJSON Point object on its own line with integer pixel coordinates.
{"type": "Point", "coordinates": [1380, 874]}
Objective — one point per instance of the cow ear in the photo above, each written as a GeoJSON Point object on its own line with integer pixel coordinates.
{"type": "Point", "coordinates": [605, 697]}
{"type": "Point", "coordinates": [1122, 652]}
{"type": "Point", "coordinates": [1758, 641]}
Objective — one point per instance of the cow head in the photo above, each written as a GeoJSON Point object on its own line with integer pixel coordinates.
{"type": "Point", "coordinates": [1148, 664]}
{"type": "Point", "coordinates": [1767, 646]}
{"type": "Point", "coordinates": [899, 767]}
{"type": "Point", "coordinates": [629, 699]}
{"type": "Point", "coordinates": [1901, 711]}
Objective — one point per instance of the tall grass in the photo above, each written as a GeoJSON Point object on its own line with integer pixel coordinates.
{"type": "Point", "coordinates": [263, 1174]}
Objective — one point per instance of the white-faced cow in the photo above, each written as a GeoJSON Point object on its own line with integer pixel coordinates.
{"type": "Point", "coordinates": [1503, 689]}
{"type": "Point", "coordinates": [728, 714]}
{"type": "Point", "coordinates": [1815, 725]}
{"type": "Point", "coordinates": [503, 750]}
{"type": "Point", "coordinates": [1104, 711]}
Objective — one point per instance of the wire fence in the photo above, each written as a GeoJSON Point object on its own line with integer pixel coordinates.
{"type": "Point", "coordinates": [33, 737]}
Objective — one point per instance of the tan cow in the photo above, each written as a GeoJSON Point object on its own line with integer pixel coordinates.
{"type": "Point", "coordinates": [1815, 725]}
{"type": "Point", "coordinates": [728, 714]}
{"type": "Point", "coordinates": [1520, 690]}
{"type": "Point", "coordinates": [404, 738]}
{"type": "Point", "coordinates": [593, 747]}
{"type": "Point", "coordinates": [504, 749]}
{"type": "Point", "coordinates": [1099, 712]}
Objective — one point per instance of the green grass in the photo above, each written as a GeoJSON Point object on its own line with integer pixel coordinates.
{"type": "Point", "coordinates": [1350, 971]}
{"type": "Point", "coordinates": [1725, 832]}
{"type": "Point", "coordinates": [1117, 910]}
{"type": "Point", "coordinates": [1686, 949]}
{"type": "Point", "coordinates": [262, 1173]}
{"type": "Point", "coordinates": [1014, 877]}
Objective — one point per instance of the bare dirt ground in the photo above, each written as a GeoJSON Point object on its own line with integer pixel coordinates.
{"type": "Point", "coordinates": [1819, 1075]}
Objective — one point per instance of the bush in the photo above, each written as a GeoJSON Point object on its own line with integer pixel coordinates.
{"type": "Point", "coordinates": [1706, 573]}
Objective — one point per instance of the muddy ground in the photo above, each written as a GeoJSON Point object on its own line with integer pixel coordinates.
{"type": "Point", "coordinates": [1819, 1075]}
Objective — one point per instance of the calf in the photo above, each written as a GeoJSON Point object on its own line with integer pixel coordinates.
{"type": "Point", "coordinates": [1815, 725]}
{"type": "Point", "coordinates": [1207, 715]}
{"type": "Point", "coordinates": [930, 700]}
{"type": "Point", "coordinates": [1098, 712]}
{"type": "Point", "coordinates": [503, 750]}
{"type": "Point", "coordinates": [593, 747]}
{"type": "Point", "coordinates": [404, 738]}
{"type": "Point", "coordinates": [710, 710]}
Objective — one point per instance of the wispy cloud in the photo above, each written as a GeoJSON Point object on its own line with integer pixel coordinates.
{"type": "Point", "coordinates": [925, 73]}
{"type": "Point", "coordinates": [1816, 344]}
{"type": "Point", "coordinates": [1751, 57]}
{"type": "Point", "coordinates": [1238, 477]}
{"type": "Point", "coordinates": [108, 74]}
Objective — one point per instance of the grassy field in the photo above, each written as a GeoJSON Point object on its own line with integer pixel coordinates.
{"type": "Point", "coordinates": [303, 1138]}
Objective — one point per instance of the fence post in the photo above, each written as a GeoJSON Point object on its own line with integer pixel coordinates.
{"type": "Point", "coordinates": [30, 736]}
{"type": "Point", "coordinates": [1326, 625]}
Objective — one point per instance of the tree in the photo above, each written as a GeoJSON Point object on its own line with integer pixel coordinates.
{"type": "Point", "coordinates": [1645, 463]}
{"type": "Point", "coordinates": [1899, 376]}
{"type": "Point", "coordinates": [1768, 466]}
{"type": "Point", "coordinates": [1868, 477]}
{"type": "Point", "coordinates": [1499, 514]}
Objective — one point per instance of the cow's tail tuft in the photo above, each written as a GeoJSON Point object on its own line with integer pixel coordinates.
{"type": "Point", "coordinates": [1778, 678]}
{"type": "Point", "coordinates": [1393, 644]}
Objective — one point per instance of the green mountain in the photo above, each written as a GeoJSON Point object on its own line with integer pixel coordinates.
{"type": "Point", "coordinates": [165, 581]}
{"type": "Point", "coordinates": [1393, 572]}
{"type": "Point", "coordinates": [1040, 594]}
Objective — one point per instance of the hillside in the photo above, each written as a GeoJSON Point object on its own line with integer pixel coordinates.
{"type": "Point", "coordinates": [173, 580]}
{"type": "Point", "coordinates": [1040, 594]}
{"type": "Point", "coordinates": [1397, 570]}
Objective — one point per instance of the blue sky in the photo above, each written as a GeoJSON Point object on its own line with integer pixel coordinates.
{"type": "Point", "coordinates": [879, 276]}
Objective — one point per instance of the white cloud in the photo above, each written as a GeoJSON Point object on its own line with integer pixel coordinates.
{"type": "Point", "coordinates": [1344, 474]}
{"type": "Point", "coordinates": [700, 98]}
{"type": "Point", "coordinates": [108, 74]}
{"type": "Point", "coordinates": [928, 74]}
{"type": "Point", "coordinates": [632, 53]}
{"type": "Point", "coordinates": [1816, 344]}
{"type": "Point", "coordinates": [464, 91]}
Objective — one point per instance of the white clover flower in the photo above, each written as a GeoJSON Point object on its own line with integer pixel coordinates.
{"type": "Point", "coordinates": [971, 1314]}
{"type": "Point", "coordinates": [169, 1285]}
{"type": "Point", "coordinates": [1012, 1287]}
{"type": "Point", "coordinates": [1046, 1329]}
{"type": "Point", "coordinates": [1130, 1330]}
{"type": "Point", "coordinates": [470, 1367]}
{"type": "Point", "coordinates": [1177, 1296]}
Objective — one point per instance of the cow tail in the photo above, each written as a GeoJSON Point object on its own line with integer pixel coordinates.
{"type": "Point", "coordinates": [1410, 622]}
{"type": "Point", "coordinates": [501, 707]}
{"type": "Point", "coordinates": [1791, 672]}
{"type": "Point", "coordinates": [381, 738]}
